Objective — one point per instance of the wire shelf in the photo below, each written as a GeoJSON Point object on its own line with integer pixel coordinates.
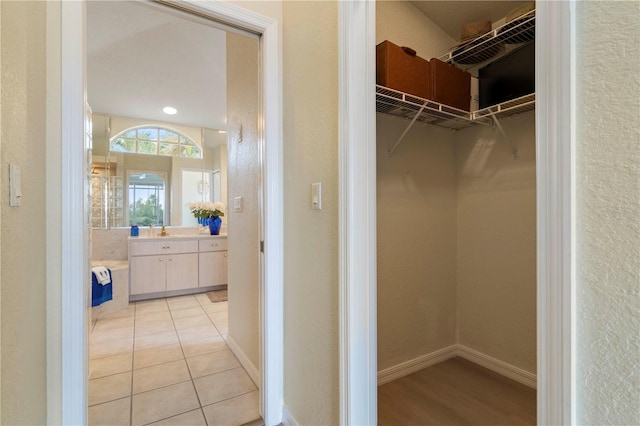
{"type": "Point", "coordinates": [404, 105]}
{"type": "Point", "coordinates": [493, 45]}
{"type": "Point", "coordinates": [507, 109]}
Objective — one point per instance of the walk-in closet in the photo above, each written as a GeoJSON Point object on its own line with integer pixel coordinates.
{"type": "Point", "coordinates": [456, 216]}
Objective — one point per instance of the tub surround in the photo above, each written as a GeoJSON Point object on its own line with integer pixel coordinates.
{"type": "Point", "coordinates": [120, 285]}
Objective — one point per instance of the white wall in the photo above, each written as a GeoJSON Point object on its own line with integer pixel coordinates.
{"type": "Point", "coordinates": [23, 263]}
{"type": "Point", "coordinates": [496, 233]}
{"type": "Point", "coordinates": [310, 65]}
{"type": "Point", "coordinates": [608, 212]}
{"type": "Point", "coordinates": [243, 169]}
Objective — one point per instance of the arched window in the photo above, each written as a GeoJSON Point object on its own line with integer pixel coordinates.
{"type": "Point", "coordinates": [155, 140]}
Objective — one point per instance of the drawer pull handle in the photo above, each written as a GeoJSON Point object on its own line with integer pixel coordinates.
{"type": "Point", "coordinates": [160, 260]}
{"type": "Point", "coordinates": [225, 255]}
{"type": "Point", "coordinates": [214, 245]}
{"type": "Point", "coordinates": [166, 247]}
{"type": "Point", "coordinates": [170, 259]}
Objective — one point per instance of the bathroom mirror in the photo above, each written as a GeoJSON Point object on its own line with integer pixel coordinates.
{"type": "Point", "coordinates": [159, 84]}
{"type": "Point", "coordinates": [148, 172]}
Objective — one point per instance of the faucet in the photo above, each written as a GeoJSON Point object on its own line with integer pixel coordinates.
{"type": "Point", "coordinates": [163, 233]}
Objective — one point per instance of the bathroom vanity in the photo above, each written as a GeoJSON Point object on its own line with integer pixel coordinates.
{"type": "Point", "coordinates": [175, 265]}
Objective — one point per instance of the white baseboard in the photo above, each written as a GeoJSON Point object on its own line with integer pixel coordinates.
{"type": "Point", "coordinates": [500, 367]}
{"type": "Point", "coordinates": [251, 370]}
{"type": "Point", "coordinates": [408, 367]}
{"type": "Point", "coordinates": [287, 418]}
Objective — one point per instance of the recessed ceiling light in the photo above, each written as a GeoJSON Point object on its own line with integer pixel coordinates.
{"type": "Point", "coordinates": [170, 110]}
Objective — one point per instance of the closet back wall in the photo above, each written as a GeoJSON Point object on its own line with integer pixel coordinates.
{"type": "Point", "coordinates": [416, 212]}
{"type": "Point", "coordinates": [497, 241]}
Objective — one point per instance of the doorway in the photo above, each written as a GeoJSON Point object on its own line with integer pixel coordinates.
{"type": "Point", "coordinates": [73, 382]}
{"type": "Point", "coordinates": [555, 239]}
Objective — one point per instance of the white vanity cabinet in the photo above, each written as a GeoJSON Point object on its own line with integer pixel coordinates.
{"type": "Point", "coordinates": [171, 266]}
{"type": "Point", "coordinates": [212, 263]}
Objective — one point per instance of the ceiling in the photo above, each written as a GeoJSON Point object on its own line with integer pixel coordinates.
{"type": "Point", "coordinates": [141, 59]}
{"type": "Point", "coordinates": [451, 16]}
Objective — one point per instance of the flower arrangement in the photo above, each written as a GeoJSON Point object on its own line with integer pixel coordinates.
{"type": "Point", "coordinates": [207, 209]}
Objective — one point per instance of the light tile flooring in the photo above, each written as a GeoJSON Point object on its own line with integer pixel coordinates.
{"type": "Point", "coordinates": [166, 362]}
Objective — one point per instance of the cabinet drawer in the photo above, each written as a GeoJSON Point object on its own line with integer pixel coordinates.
{"type": "Point", "coordinates": [144, 248]}
{"type": "Point", "coordinates": [214, 244]}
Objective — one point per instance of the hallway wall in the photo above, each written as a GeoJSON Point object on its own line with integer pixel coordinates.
{"type": "Point", "coordinates": [23, 291]}
{"type": "Point", "coordinates": [608, 212]}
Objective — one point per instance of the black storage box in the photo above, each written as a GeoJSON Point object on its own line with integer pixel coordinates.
{"type": "Point", "coordinates": [509, 77]}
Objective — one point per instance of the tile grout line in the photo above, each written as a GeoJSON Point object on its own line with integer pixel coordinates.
{"type": "Point", "coordinates": [133, 354]}
{"type": "Point", "coordinates": [193, 384]}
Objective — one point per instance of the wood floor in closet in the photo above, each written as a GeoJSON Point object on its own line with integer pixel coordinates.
{"type": "Point", "coordinates": [456, 392]}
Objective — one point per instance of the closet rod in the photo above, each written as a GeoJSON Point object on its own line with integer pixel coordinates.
{"type": "Point", "coordinates": [393, 148]}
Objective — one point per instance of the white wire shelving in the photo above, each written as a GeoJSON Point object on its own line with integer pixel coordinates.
{"type": "Point", "coordinates": [494, 44]}
{"type": "Point", "coordinates": [477, 52]}
{"type": "Point", "coordinates": [413, 108]}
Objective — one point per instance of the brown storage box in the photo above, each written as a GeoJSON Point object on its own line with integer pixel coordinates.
{"type": "Point", "coordinates": [399, 68]}
{"type": "Point", "coordinates": [450, 85]}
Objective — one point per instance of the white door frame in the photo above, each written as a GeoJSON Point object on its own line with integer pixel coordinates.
{"type": "Point", "coordinates": [74, 226]}
{"type": "Point", "coordinates": [555, 146]}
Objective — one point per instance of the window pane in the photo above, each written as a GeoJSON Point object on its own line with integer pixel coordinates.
{"type": "Point", "coordinates": [169, 149]}
{"type": "Point", "coordinates": [131, 134]}
{"type": "Point", "coordinates": [123, 145]}
{"type": "Point", "coordinates": [147, 147]}
{"type": "Point", "coordinates": [146, 195]}
{"type": "Point", "coordinates": [190, 152]}
{"type": "Point", "coordinates": [168, 136]}
{"type": "Point", "coordinates": [148, 134]}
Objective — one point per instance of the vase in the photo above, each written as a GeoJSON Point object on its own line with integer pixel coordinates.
{"type": "Point", "coordinates": [214, 225]}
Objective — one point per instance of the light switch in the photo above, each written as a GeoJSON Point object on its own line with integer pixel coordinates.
{"type": "Point", "coordinates": [316, 196]}
{"type": "Point", "coordinates": [15, 185]}
{"type": "Point", "coordinates": [237, 204]}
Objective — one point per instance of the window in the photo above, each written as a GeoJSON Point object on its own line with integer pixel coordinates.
{"type": "Point", "coordinates": [146, 198]}
{"type": "Point", "coordinates": [155, 141]}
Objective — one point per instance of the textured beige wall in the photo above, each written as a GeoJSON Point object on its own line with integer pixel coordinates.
{"type": "Point", "coordinates": [243, 102]}
{"type": "Point", "coordinates": [23, 123]}
{"type": "Point", "coordinates": [416, 199]}
{"type": "Point", "coordinates": [310, 66]}
{"type": "Point", "coordinates": [497, 241]}
{"type": "Point", "coordinates": [608, 213]}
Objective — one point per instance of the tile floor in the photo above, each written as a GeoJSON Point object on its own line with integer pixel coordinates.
{"type": "Point", "coordinates": [166, 362]}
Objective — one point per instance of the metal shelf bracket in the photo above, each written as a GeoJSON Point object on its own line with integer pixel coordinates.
{"type": "Point", "coordinates": [514, 150]}
{"type": "Point", "coordinates": [413, 121]}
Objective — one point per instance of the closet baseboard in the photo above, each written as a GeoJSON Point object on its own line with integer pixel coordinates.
{"type": "Point", "coordinates": [408, 367]}
{"type": "Point", "coordinates": [287, 418]}
{"type": "Point", "coordinates": [251, 370]}
{"type": "Point", "coordinates": [500, 367]}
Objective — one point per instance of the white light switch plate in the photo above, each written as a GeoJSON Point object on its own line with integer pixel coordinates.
{"type": "Point", "coordinates": [15, 185]}
{"type": "Point", "coordinates": [237, 204]}
{"type": "Point", "coordinates": [316, 196]}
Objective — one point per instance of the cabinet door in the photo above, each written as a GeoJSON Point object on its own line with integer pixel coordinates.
{"type": "Point", "coordinates": [213, 268]}
{"type": "Point", "coordinates": [182, 271]}
{"type": "Point", "coordinates": [147, 274]}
